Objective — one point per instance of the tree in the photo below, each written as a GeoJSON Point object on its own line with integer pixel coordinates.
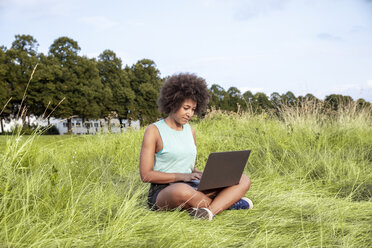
{"type": "Point", "coordinates": [23, 59]}
{"type": "Point", "coordinates": [87, 92]}
{"type": "Point", "coordinates": [335, 101]}
{"type": "Point", "coordinates": [248, 98]}
{"type": "Point", "coordinates": [217, 94]}
{"type": "Point", "coordinates": [361, 103]}
{"type": "Point", "coordinates": [65, 50]}
{"type": "Point", "coordinates": [25, 43]}
{"type": "Point", "coordinates": [289, 99]}
{"type": "Point", "coordinates": [145, 82]}
{"type": "Point", "coordinates": [44, 91]}
{"type": "Point", "coordinates": [77, 81]}
{"type": "Point", "coordinates": [119, 97]}
{"type": "Point", "coordinates": [233, 99]}
{"type": "Point", "coordinates": [276, 100]}
{"type": "Point", "coordinates": [4, 89]}
{"type": "Point", "coordinates": [311, 97]}
{"type": "Point", "coordinates": [261, 102]}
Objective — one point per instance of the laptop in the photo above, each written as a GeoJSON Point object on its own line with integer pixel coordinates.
{"type": "Point", "coordinates": [223, 169]}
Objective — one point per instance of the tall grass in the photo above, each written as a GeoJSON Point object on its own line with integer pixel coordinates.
{"type": "Point", "coordinates": [312, 186]}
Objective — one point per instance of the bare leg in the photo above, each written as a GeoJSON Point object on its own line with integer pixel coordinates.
{"type": "Point", "coordinates": [228, 196]}
{"type": "Point", "coordinates": [181, 195]}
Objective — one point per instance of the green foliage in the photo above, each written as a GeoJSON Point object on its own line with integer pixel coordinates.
{"type": "Point", "coordinates": [145, 81]}
{"type": "Point", "coordinates": [65, 50]}
{"type": "Point", "coordinates": [334, 101]}
{"type": "Point", "coordinates": [217, 95]}
{"type": "Point", "coordinates": [76, 80]}
{"type": "Point", "coordinates": [25, 43]}
{"type": "Point", "coordinates": [77, 85]}
{"type": "Point", "coordinates": [5, 93]}
{"type": "Point", "coordinates": [248, 97]}
{"type": "Point", "coordinates": [66, 84]}
{"type": "Point", "coordinates": [311, 187]}
{"type": "Point", "coordinates": [311, 97]}
{"type": "Point", "coordinates": [275, 100]}
{"type": "Point", "coordinates": [5, 90]}
{"type": "Point", "coordinates": [362, 104]}
{"type": "Point", "coordinates": [51, 130]}
{"type": "Point", "coordinates": [261, 102]}
{"type": "Point", "coordinates": [230, 100]}
{"type": "Point", "coordinates": [233, 99]}
{"type": "Point", "coordinates": [118, 94]}
{"type": "Point", "coordinates": [44, 89]}
{"type": "Point", "coordinates": [23, 58]}
{"type": "Point", "coordinates": [289, 99]}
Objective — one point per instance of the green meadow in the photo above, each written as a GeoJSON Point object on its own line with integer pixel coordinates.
{"type": "Point", "coordinates": [311, 186]}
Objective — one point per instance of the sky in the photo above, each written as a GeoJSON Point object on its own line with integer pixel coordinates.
{"type": "Point", "coordinates": [320, 47]}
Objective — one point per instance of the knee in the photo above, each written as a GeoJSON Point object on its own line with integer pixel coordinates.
{"type": "Point", "coordinates": [245, 182]}
{"type": "Point", "coordinates": [184, 193]}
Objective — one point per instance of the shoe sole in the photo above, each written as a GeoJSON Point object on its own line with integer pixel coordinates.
{"type": "Point", "coordinates": [250, 203]}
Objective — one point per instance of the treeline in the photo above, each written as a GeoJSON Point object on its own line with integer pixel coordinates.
{"type": "Point", "coordinates": [67, 84]}
{"type": "Point", "coordinates": [233, 100]}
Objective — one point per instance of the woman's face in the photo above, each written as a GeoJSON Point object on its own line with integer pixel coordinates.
{"type": "Point", "coordinates": [185, 112]}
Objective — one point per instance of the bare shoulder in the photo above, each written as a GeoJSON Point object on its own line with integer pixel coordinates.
{"type": "Point", "coordinates": [151, 128]}
{"type": "Point", "coordinates": [192, 130]}
{"type": "Point", "coordinates": [193, 134]}
{"type": "Point", "coordinates": [151, 132]}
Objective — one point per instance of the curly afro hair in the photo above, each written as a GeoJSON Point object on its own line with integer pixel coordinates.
{"type": "Point", "coordinates": [180, 87]}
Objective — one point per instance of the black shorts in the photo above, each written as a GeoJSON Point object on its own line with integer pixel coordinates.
{"type": "Point", "coordinates": [155, 189]}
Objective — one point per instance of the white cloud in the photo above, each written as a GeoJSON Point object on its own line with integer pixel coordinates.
{"type": "Point", "coordinates": [353, 87]}
{"type": "Point", "coordinates": [99, 22]}
{"type": "Point", "coordinates": [136, 23]}
{"type": "Point", "coordinates": [354, 90]}
{"type": "Point", "coordinates": [230, 59]}
{"type": "Point", "coordinates": [347, 87]}
{"type": "Point", "coordinates": [249, 9]}
{"type": "Point", "coordinates": [27, 3]}
{"type": "Point", "coordinates": [328, 36]}
{"type": "Point", "coordinates": [35, 9]}
{"type": "Point", "coordinates": [207, 3]}
{"type": "Point", "coordinates": [357, 29]}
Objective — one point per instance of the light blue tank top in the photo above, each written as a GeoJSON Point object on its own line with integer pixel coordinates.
{"type": "Point", "coordinates": [179, 151]}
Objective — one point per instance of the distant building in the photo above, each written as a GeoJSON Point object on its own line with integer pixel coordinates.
{"type": "Point", "coordinates": [93, 126]}
{"type": "Point", "coordinates": [78, 127]}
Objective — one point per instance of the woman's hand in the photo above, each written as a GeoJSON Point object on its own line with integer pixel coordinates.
{"type": "Point", "coordinates": [191, 176]}
{"type": "Point", "coordinates": [197, 171]}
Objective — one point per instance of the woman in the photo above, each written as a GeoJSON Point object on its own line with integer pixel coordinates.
{"type": "Point", "coordinates": [168, 154]}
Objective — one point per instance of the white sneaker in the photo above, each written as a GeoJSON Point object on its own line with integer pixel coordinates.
{"type": "Point", "coordinates": [201, 213]}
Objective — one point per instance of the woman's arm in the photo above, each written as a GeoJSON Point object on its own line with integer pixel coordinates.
{"type": "Point", "coordinates": [147, 162]}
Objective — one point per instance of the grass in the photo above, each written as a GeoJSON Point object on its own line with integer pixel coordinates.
{"type": "Point", "coordinates": [312, 186]}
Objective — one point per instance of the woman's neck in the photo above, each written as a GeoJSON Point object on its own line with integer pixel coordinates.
{"type": "Point", "coordinates": [172, 123]}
